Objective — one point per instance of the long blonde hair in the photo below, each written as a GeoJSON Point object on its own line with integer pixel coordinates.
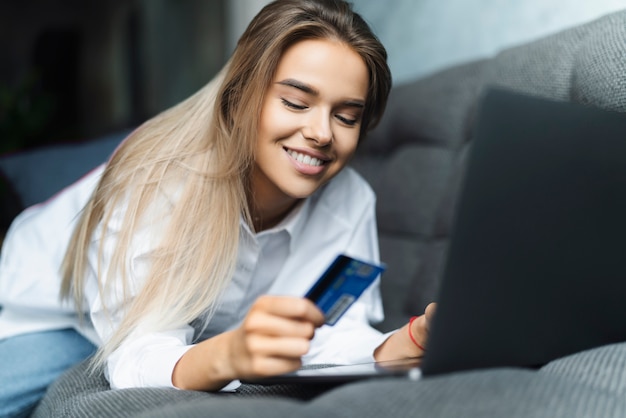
{"type": "Point", "coordinates": [202, 150]}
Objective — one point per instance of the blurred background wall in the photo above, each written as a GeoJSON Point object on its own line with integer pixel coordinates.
{"type": "Point", "coordinates": [423, 36]}
{"type": "Point", "coordinates": [72, 70]}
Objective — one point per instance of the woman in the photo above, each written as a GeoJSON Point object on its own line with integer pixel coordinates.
{"type": "Point", "coordinates": [212, 219]}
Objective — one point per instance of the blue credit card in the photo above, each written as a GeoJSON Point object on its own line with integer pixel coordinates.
{"type": "Point", "coordinates": [341, 285]}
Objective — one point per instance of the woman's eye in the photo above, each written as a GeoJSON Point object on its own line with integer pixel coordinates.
{"type": "Point", "coordinates": [292, 105]}
{"type": "Point", "coordinates": [347, 121]}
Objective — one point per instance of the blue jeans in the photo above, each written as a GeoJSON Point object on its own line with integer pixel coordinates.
{"type": "Point", "coordinates": [31, 362]}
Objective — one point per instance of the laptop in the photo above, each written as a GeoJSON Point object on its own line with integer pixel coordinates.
{"type": "Point", "coordinates": [536, 267]}
{"type": "Point", "coordinates": [340, 374]}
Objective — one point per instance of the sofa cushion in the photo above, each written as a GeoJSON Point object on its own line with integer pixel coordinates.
{"type": "Point", "coordinates": [430, 111]}
{"type": "Point", "coordinates": [408, 186]}
{"type": "Point", "coordinates": [541, 68]}
{"type": "Point", "coordinates": [403, 255]}
{"type": "Point", "coordinates": [579, 386]}
{"type": "Point", "coordinates": [38, 174]}
{"type": "Point", "coordinates": [599, 76]}
{"type": "Point", "coordinates": [424, 284]}
{"type": "Point", "coordinates": [82, 392]}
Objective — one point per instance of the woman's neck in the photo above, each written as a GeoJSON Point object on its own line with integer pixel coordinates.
{"type": "Point", "coordinates": [268, 205]}
{"type": "Point", "coordinates": [266, 215]}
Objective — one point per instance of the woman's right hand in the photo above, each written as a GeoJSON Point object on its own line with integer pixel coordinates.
{"type": "Point", "coordinates": [273, 337]}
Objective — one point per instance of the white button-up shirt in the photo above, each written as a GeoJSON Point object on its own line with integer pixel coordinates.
{"type": "Point", "coordinates": [284, 260]}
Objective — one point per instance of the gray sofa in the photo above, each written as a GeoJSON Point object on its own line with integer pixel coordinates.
{"type": "Point", "coordinates": [415, 161]}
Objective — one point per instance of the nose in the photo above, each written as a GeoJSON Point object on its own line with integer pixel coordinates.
{"type": "Point", "coordinates": [318, 128]}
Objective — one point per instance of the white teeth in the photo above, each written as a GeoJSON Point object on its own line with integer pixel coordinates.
{"type": "Point", "coordinates": [305, 159]}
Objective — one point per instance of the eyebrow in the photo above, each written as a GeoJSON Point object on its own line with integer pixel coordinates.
{"type": "Point", "coordinates": [290, 82]}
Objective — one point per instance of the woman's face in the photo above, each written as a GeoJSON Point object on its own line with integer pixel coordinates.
{"type": "Point", "coordinates": [310, 120]}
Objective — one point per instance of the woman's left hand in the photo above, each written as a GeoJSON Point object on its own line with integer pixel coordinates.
{"type": "Point", "coordinates": [410, 340]}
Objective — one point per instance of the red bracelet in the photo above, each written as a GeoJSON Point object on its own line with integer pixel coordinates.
{"type": "Point", "coordinates": [421, 347]}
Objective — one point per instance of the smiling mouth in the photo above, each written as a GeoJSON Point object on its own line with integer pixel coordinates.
{"type": "Point", "coordinates": [305, 159]}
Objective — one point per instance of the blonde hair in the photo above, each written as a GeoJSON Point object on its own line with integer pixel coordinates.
{"type": "Point", "coordinates": [202, 150]}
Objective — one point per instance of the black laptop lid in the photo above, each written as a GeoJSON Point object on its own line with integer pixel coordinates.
{"type": "Point", "coordinates": [536, 267]}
